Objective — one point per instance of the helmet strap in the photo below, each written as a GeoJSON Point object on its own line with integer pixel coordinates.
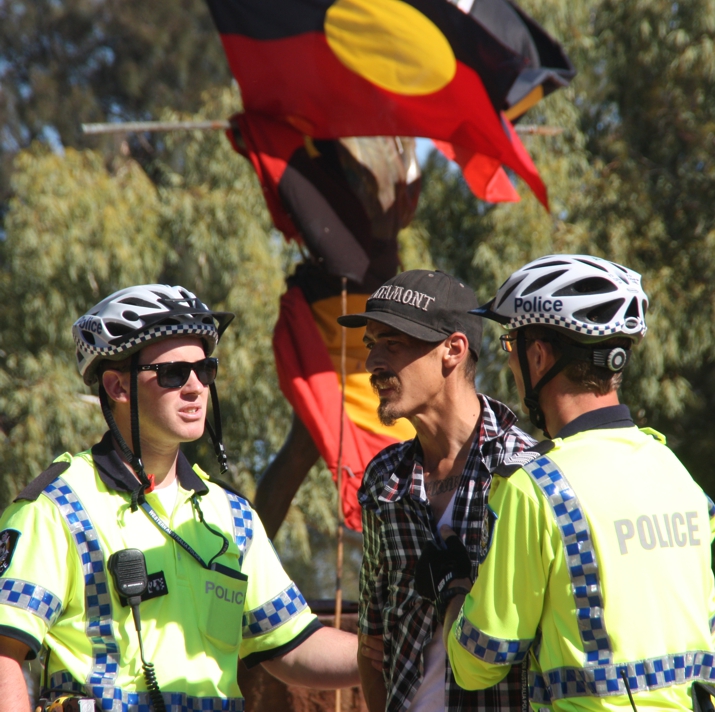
{"type": "Point", "coordinates": [531, 393]}
{"type": "Point", "coordinates": [216, 431]}
{"type": "Point", "coordinates": [129, 456]}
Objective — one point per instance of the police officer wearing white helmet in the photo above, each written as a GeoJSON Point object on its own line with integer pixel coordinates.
{"type": "Point", "coordinates": [140, 579]}
{"type": "Point", "coordinates": [596, 544]}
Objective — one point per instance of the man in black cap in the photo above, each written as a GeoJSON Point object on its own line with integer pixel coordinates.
{"type": "Point", "coordinates": [424, 348]}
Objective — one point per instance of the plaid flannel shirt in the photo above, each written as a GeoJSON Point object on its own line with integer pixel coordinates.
{"type": "Point", "coordinates": [397, 522]}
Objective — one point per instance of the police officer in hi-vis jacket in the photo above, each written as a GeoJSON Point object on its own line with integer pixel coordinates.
{"type": "Point", "coordinates": [140, 579]}
{"type": "Point", "coordinates": [596, 543]}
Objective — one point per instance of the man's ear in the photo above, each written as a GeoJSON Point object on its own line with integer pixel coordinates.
{"type": "Point", "coordinates": [116, 383]}
{"type": "Point", "coordinates": [542, 358]}
{"type": "Point", "coordinates": [457, 349]}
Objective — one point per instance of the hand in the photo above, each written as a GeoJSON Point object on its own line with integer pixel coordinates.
{"type": "Point", "coordinates": [437, 566]}
{"type": "Point", "coordinates": [372, 648]}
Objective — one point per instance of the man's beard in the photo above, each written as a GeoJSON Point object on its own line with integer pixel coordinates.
{"type": "Point", "coordinates": [387, 413]}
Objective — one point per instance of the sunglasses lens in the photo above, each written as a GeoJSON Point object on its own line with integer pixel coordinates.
{"type": "Point", "coordinates": [206, 371]}
{"type": "Point", "coordinates": [173, 375]}
{"type": "Point", "coordinates": [176, 373]}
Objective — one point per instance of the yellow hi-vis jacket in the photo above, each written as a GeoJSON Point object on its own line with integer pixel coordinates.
{"type": "Point", "coordinates": [56, 590]}
{"type": "Point", "coordinates": [599, 563]}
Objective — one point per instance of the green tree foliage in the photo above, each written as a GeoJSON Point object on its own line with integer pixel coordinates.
{"type": "Point", "coordinates": [631, 179]}
{"type": "Point", "coordinates": [64, 63]}
{"type": "Point", "coordinates": [78, 230]}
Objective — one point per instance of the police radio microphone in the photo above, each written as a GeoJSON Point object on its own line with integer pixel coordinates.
{"type": "Point", "coordinates": [128, 569]}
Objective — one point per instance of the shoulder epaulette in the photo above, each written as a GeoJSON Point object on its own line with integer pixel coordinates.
{"type": "Point", "coordinates": [229, 488]}
{"type": "Point", "coordinates": [38, 485]}
{"type": "Point", "coordinates": [517, 460]}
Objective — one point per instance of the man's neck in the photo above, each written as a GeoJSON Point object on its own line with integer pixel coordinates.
{"type": "Point", "coordinates": [561, 406]}
{"type": "Point", "coordinates": [159, 462]}
{"type": "Point", "coordinates": [446, 430]}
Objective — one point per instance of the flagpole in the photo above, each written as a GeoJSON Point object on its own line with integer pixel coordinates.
{"type": "Point", "coordinates": [339, 556]}
{"type": "Point", "coordinates": [222, 125]}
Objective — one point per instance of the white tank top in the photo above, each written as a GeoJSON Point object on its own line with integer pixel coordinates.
{"type": "Point", "coordinates": [430, 694]}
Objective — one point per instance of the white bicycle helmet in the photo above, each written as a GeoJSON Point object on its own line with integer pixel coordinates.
{"type": "Point", "coordinates": [588, 298]}
{"type": "Point", "coordinates": [129, 319]}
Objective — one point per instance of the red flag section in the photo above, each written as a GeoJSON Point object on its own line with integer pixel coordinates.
{"type": "Point", "coordinates": [334, 68]}
{"type": "Point", "coordinates": [306, 342]}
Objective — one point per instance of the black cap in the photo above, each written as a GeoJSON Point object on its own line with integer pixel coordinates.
{"type": "Point", "coordinates": [429, 305]}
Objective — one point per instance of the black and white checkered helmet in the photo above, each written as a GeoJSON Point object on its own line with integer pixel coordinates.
{"type": "Point", "coordinates": [589, 298]}
{"type": "Point", "coordinates": [131, 318]}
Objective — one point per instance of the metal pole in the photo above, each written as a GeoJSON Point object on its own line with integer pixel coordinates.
{"type": "Point", "coordinates": [341, 523]}
{"type": "Point", "coordinates": [151, 126]}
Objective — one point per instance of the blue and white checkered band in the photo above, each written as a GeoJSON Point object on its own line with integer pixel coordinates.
{"type": "Point", "coordinates": [711, 507]}
{"type": "Point", "coordinates": [580, 558]}
{"type": "Point", "coordinates": [98, 604]}
{"type": "Point", "coordinates": [604, 680]}
{"type": "Point", "coordinates": [288, 604]}
{"type": "Point", "coordinates": [242, 524]}
{"type": "Point", "coordinates": [539, 693]}
{"type": "Point", "coordinates": [495, 651]}
{"type": "Point", "coordinates": [31, 598]}
{"type": "Point", "coordinates": [516, 322]}
{"type": "Point", "coordinates": [118, 700]}
{"type": "Point", "coordinates": [156, 332]}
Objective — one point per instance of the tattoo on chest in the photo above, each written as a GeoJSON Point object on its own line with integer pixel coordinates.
{"type": "Point", "coordinates": [441, 486]}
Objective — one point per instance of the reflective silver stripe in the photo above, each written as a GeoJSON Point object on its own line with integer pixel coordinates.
{"type": "Point", "coordinates": [580, 557]}
{"type": "Point", "coordinates": [31, 598]}
{"type": "Point", "coordinates": [288, 604]}
{"type": "Point", "coordinates": [98, 604]}
{"type": "Point", "coordinates": [604, 680]}
{"type": "Point", "coordinates": [242, 524]}
{"type": "Point", "coordinates": [496, 651]}
{"type": "Point", "coordinates": [118, 700]}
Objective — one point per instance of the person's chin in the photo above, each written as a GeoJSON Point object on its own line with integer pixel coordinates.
{"type": "Point", "coordinates": [388, 416]}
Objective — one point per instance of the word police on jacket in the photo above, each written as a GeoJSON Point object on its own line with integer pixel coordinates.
{"type": "Point", "coordinates": [225, 594]}
{"type": "Point", "coordinates": [659, 530]}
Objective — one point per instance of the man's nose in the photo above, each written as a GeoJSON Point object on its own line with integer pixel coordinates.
{"type": "Point", "coordinates": [373, 363]}
{"type": "Point", "coordinates": [193, 385]}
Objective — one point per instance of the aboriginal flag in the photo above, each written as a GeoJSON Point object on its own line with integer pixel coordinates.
{"type": "Point", "coordinates": [333, 68]}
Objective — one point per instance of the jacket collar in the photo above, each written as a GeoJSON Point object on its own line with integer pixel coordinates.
{"type": "Point", "coordinates": [612, 416]}
{"type": "Point", "coordinates": [116, 476]}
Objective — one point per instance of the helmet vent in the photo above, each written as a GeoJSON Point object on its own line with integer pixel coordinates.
{"type": "Point", "coordinates": [590, 285]}
{"type": "Point", "coordinates": [542, 281]}
{"type": "Point", "coordinates": [207, 320]}
{"type": "Point", "coordinates": [116, 329]}
{"type": "Point", "coordinates": [88, 337]}
{"type": "Point", "coordinates": [541, 265]}
{"type": "Point", "coordinates": [508, 292]}
{"type": "Point", "coordinates": [632, 310]}
{"type": "Point", "coordinates": [602, 314]}
{"type": "Point", "coordinates": [595, 265]}
{"type": "Point", "coordinates": [130, 315]}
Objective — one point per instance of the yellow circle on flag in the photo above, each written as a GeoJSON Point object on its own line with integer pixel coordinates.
{"type": "Point", "coordinates": [391, 44]}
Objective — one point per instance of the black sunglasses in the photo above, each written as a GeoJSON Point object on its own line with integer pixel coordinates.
{"type": "Point", "coordinates": [174, 374]}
